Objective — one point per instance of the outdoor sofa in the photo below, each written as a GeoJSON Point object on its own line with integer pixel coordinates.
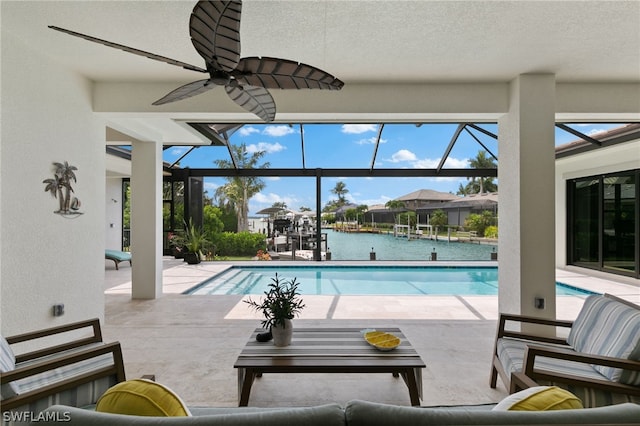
{"type": "Point", "coordinates": [599, 360]}
{"type": "Point", "coordinates": [355, 413]}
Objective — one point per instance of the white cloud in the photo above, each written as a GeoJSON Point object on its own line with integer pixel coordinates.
{"type": "Point", "coordinates": [601, 127]}
{"type": "Point", "coordinates": [403, 155]}
{"type": "Point", "coordinates": [179, 150]}
{"type": "Point", "coordinates": [269, 148]}
{"type": "Point", "coordinates": [359, 128]}
{"type": "Point", "coordinates": [210, 187]}
{"type": "Point", "coordinates": [370, 141]}
{"type": "Point", "coordinates": [266, 198]}
{"type": "Point", "coordinates": [247, 130]}
{"type": "Point", "coordinates": [454, 163]}
{"type": "Point", "coordinates": [407, 156]}
{"type": "Point", "coordinates": [270, 198]}
{"type": "Point", "coordinates": [381, 200]}
{"type": "Point", "coordinates": [594, 131]}
{"type": "Point", "coordinates": [277, 131]}
{"type": "Point", "coordinates": [426, 163]}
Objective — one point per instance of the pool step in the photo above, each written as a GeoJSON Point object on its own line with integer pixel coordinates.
{"type": "Point", "coordinates": [220, 284]}
{"type": "Point", "coordinates": [255, 281]}
{"type": "Point", "coordinates": [232, 283]}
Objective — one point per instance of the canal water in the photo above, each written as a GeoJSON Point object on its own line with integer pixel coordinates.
{"type": "Point", "coordinates": [358, 246]}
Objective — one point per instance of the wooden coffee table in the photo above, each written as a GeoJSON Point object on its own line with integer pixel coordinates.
{"type": "Point", "coordinates": [328, 350]}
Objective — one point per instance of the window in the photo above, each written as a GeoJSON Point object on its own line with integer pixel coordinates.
{"type": "Point", "coordinates": [603, 222]}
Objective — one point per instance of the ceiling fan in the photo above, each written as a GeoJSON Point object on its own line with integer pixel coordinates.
{"type": "Point", "coordinates": [215, 33]}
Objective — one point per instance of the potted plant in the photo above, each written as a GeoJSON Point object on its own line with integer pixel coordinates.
{"type": "Point", "coordinates": [194, 242]}
{"type": "Point", "coordinates": [281, 303]}
{"type": "Point", "coordinates": [263, 255]}
{"type": "Point", "coordinates": [176, 241]}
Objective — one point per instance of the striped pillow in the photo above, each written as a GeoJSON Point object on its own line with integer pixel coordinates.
{"type": "Point", "coordinates": [632, 377]}
{"type": "Point", "coordinates": [586, 321]}
{"type": "Point", "coordinates": [609, 328]}
{"type": "Point", "coordinates": [7, 363]}
{"type": "Point", "coordinates": [83, 395]}
{"type": "Point", "coordinates": [64, 372]}
{"type": "Point", "coordinates": [593, 397]}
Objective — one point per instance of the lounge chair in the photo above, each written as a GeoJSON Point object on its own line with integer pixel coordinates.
{"type": "Point", "coordinates": [75, 372]}
{"type": "Point", "coordinates": [599, 361]}
{"type": "Point", "coordinates": [117, 256]}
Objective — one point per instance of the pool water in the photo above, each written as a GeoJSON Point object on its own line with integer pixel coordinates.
{"type": "Point", "coordinates": [361, 280]}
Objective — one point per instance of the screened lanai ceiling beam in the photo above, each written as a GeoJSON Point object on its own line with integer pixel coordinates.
{"type": "Point", "coordinates": [454, 138]}
{"type": "Point", "coordinates": [212, 134]}
{"type": "Point", "coordinates": [481, 144]}
{"type": "Point", "coordinates": [181, 157]}
{"type": "Point", "coordinates": [578, 134]}
{"type": "Point", "coordinates": [375, 149]}
{"type": "Point", "coordinates": [480, 129]}
{"type": "Point", "coordinates": [302, 145]}
{"type": "Point", "coordinates": [400, 173]}
{"type": "Point", "coordinates": [233, 160]}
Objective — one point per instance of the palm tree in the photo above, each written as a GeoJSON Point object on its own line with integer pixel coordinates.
{"type": "Point", "coordinates": [438, 218]}
{"type": "Point", "coordinates": [480, 185]}
{"type": "Point", "coordinates": [361, 209]}
{"type": "Point", "coordinates": [463, 190]}
{"type": "Point", "coordinates": [394, 205]}
{"type": "Point", "coordinates": [240, 189]}
{"type": "Point", "coordinates": [279, 205]}
{"type": "Point", "coordinates": [340, 190]}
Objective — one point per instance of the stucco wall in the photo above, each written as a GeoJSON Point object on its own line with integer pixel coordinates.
{"type": "Point", "coordinates": [46, 258]}
{"type": "Point", "coordinates": [617, 158]}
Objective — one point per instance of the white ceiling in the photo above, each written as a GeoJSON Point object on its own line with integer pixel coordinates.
{"type": "Point", "coordinates": [357, 41]}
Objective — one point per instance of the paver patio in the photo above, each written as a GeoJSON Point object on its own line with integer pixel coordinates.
{"type": "Point", "coordinates": [191, 342]}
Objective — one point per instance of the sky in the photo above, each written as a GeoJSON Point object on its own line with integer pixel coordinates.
{"type": "Point", "coordinates": [402, 146]}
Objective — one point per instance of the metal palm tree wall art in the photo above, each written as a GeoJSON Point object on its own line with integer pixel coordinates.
{"type": "Point", "coordinates": [214, 28]}
{"type": "Point", "coordinates": [60, 187]}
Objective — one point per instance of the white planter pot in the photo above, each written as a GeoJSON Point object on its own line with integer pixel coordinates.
{"type": "Point", "coordinates": [282, 335]}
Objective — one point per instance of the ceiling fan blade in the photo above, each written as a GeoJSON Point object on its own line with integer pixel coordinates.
{"type": "Point", "coordinates": [274, 73]}
{"type": "Point", "coordinates": [256, 100]}
{"type": "Point", "coordinates": [186, 91]}
{"type": "Point", "coordinates": [131, 50]}
{"type": "Point", "coordinates": [215, 32]}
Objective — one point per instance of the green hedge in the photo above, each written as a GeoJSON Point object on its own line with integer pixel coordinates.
{"type": "Point", "coordinates": [238, 244]}
{"type": "Point", "coordinates": [491, 232]}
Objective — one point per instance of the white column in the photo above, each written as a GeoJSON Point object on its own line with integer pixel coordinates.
{"type": "Point", "coordinates": [527, 201]}
{"type": "Point", "coordinates": [146, 220]}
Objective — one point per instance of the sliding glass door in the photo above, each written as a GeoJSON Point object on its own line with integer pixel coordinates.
{"type": "Point", "coordinates": [602, 215]}
{"type": "Point", "coordinates": [620, 215]}
{"type": "Point", "coordinates": [586, 218]}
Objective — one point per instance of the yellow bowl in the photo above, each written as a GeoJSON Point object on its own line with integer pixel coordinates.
{"type": "Point", "coordinates": [373, 334]}
{"type": "Point", "coordinates": [382, 341]}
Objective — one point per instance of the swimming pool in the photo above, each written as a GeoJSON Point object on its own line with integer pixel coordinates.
{"type": "Point", "coordinates": [360, 280]}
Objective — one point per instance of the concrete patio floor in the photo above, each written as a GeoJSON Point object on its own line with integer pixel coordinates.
{"type": "Point", "coordinates": [191, 342]}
